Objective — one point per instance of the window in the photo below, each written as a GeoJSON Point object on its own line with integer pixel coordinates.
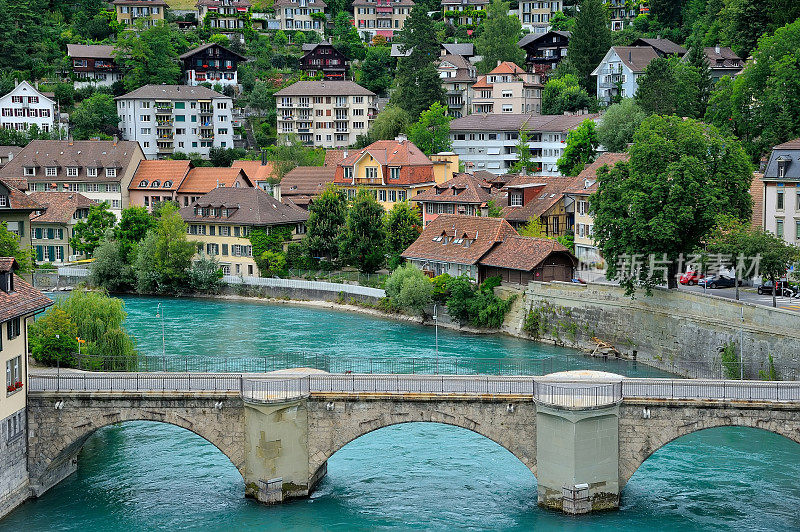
{"type": "Point", "coordinates": [51, 171]}
{"type": "Point", "coordinates": [779, 201]}
{"type": "Point", "coordinates": [13, 326]}
{"type": "Point", "coordinates": [515, 198]}
{"type": "Point", "coordinates": [381, 195]}
{"type": "Point", "coordinates": [29, 171]}
{"type": "Point", "coordinates": [779, 228]}
{"type": "Point", "coordinates": [394, 172]}
{"type": "Point", "coordinates": [143, 183]}
{"type": "Point", "coordinates": [15, 425]}
{"type": "Point", "coordinates": [371, 172]}
{"type": "Point", "coordinates": [180, 105]}
{"type": "Point", "coordinates": [14, 371]}
{"type": "Point", "coordinates": [91, 172]}
{"type": "Point", "coordinates": [111, 172]}
{"type": "Point", "coordinates": [72, 171]}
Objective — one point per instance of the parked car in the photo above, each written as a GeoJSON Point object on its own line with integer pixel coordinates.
{"type": "Point", "coordinates": [691, 277]}
{"type": "Point", "coordinates": [767, 287]}
{"type": "Point", "coordinates": [718, 281]}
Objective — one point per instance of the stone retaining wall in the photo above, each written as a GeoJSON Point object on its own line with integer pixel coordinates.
{"type": "Point", "coordinates": [675, 330]}
{"type": "Point", "coordinates": [14, 488]}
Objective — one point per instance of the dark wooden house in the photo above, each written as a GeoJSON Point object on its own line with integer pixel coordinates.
{"type": "Point", "coordinates": [323, 58]}
{"type": "Point", "coordinates": [543, 51]}
{"type": "Point", "coordinates": [520, 259]}
{"type": "Point", "coordinates": [211, 63]}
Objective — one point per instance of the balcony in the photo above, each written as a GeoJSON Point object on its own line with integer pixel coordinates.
{"type": "Point", "coordinates": [455, 104]}
{"type": "Point", "coordinates": [206, 111]}
{"type": "Point", "coordinates": [286, 118]}
{"type": "Point", "coordinates": [163, 121]}
{"type": "Point", "coordinates": [303, 130]}
{"type": "Point", "coordinates": [368, 181]}
{"type": "Point", "coordinates": [304, 105]}
{"type": "Point", "coordinates": [163, 107]}
{"type": "Point", "coordinates": [282, 105]}
{"type": "Point", "coordinates": [340, 105]}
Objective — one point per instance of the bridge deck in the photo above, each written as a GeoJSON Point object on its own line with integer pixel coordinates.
{"type": "Point", "coordinates": [571, 394]}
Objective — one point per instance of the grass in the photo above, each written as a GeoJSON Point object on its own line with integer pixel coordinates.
{"type": "Point", "coordinates": [183, 4]}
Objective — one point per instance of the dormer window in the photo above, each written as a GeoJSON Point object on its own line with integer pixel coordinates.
{"type": "Point", "coordinates": [3, 200]}
{"type": "Point", "coordinates": [29, 170]}
{"type": "Point", "coordinates": [51, 171]}
{"type": "Point", "coordinates": [348, 172]}
{"type": "Point", "coordinates": [91, 172]}
{"type": "Point", "coordinates": [782, 169]}
{"type": "Point", "coordinates": [7, 285]}
{"type": "Point", "coordinates": [224, 213]}
{"type": "Point", "coordinates": [515, 199]}
{"type": "Point", "coordinates": [143, 183]}
{"type": "Point", "coordinates": [167, 184]}
{"type": "Point", "coordinates": [72, 171]}
{"type": "Point", "coordinates": [156, 184]}
{"type": "Point", "coordinates": [111, 172]}
{"type": "Point", "coordinates": [394, 172]}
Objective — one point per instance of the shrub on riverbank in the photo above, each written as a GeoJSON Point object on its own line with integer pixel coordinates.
{"type": "Point", "coordinates": [409, 289]}
{"type": "Point", "coordinates": [95, 318]}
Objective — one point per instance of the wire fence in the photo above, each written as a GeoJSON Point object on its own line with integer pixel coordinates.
{"type": "Point", "coordinates": [566, 394]}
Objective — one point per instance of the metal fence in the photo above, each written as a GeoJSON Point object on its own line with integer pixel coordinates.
{"type": "Point", "coordinates": [568, 394]}
{"type": "Point", "coordinates": [298, 284]}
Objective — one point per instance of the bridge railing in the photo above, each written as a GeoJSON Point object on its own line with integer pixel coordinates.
{"type": "Point", "coordinates": [577, 395]}
{"type": "Point", "coordinates": [711, 389]}
{"type": "Point", "coordinates": [134, 382]}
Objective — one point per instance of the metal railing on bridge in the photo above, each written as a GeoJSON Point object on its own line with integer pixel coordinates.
{"type": "Point", "coordinates": [570, 394]}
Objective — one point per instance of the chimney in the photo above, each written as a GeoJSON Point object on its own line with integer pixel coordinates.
{"type": "Point", "coordinates": [498, 62]}
{"type": "Point", "coordinates": [115, 140]}
{"type": "Point", "coordinates": [263, 157]}
{"type": "Point", "coordinates": [344, 155]}
{"type": "Point", "coordinates": [401, 137]}
{"type": "Point", "coordinates": [716, 49]}
{"type": "Point", "coordinates": [630, 56]}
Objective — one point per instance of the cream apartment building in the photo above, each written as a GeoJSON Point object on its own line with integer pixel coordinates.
{"type": "Point", "coordinates": [380, 17]}
{"type": "Point", "coordinates": [535, 16]}
{"type": "Point", "coordinates": [326, 113]}
{"type": "Point", "coordinates": [507, 89]}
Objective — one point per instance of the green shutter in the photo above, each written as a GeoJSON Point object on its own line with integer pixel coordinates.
{"type": "Point", "coordinates": [39, 253]}
{"type": "Point", "coordinates": [51, 253]}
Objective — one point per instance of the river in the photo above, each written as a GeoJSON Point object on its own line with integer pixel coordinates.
{"type": "Point", "coordinates": [421, 476]}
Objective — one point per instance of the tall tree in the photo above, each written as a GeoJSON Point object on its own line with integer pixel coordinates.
{"type": "Point", "coordinates": [376, 72]}
{"type": "Point", "coordinates": [389, 123]}
{"type": "Point", "coordinates": [148, 56]}
{"type": "Point", "coordinates": [681, 176]}
{"type": "Point", "coordinates": [618, 125]}
{"type": "Point", "coordinates": [697, 59]}
{"type": "Point", "coordinates": [132, 228]}
{"type": "Point", "coordinates": [346, 39]}
{"type": "Point", "coordinates": [164, 257]}
{"type": "Point", "coordinates": [403, 227]}
{"type": "Point", "coordinates": [498, 38]}
{"type": "Point", "coordinates": [95, 116]}
{"type": "Point", "coordinates": [565, 95]}
{"type": "Point", "coordinates": [363, 236]}
{"type": "Point", "coordinates": [419, 37]}
{"type": "Point", "coordinates": [581, 149]}
{"type": "Point", "coordinates": [10, 247]}
{"type": "Point", "coordinates": [431, 133]}
{"type": "Point", "coordinates": [326, 216]}
{"type": "Point", "coordinates": [87, 234]}
{"type": "Point", "coordinates": [590, 40]}
{"type": "Point", "coordinates": [656, 91]}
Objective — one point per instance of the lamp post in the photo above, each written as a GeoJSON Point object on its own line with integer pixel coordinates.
{"type": "Point", "coordinates": [741, 347]}
{"type": "Point", "coordinates": [436, 327]}
{"type": "Point", "coordinates": [160, 314]}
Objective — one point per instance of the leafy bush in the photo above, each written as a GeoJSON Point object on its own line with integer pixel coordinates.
{"type": "Point", "coordinates": [730, 361]}
{"type": "Point", "coordinates": [110, 270]}
{"type": "Point", "coordinates": [408, 288]}
{"type": "Point", "coordinates": [477, 305]}
{"type": "Point", "coordinates": [205, 275]}
{"type": "Point", "coordinates": [440, 291]}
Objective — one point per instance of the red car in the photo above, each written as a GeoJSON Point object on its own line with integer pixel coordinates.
{"type": "Point", "coordinates": [691, 277]}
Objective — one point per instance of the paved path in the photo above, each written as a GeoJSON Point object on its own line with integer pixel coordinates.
{"type": "Point", "coordinates": [749, 295]}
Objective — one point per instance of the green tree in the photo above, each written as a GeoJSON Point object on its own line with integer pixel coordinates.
{"type": "Point", "coordinates": [292, 153]}
{"type": "Point", "coordinates": [656, 91]}
{"type": "Point", "coordinates": [431, 133]}
{"type": "Point", "coordinates": [419, 37]}
{"type": "Point", "coordinates": [148, 56]}
{"type": "Point", "coordinates": [618, 124]}
{"type": "Point", "coordinates": [95, 116]}
{"type": "Point", "coordinates": [697, 59]}
{"type": "Point", "coordinates": [498, 38]}
{"type": "Point", "coordinates": [389, 123]}
{"type": "Point", "coordinates": [681, 176]}
{"type": "Point", "coordinates": [561, 22]}
{"type": "Point", "coordinates": [164, 257]}
{"type": "Point", "coordinates": [565, 95]}
{"type": "Point", "coordinates": [86, 234]}
{"type": "Point", "coordinates": [403, 227]}
{"type": "Point", "coordinates": [581, 149]}
{"type": "Point", "coordinates": [376, 72]}
{"type": "Point", "coordinates": [272, 263]}
{"type": "Point", "coordinates": [326, 217]}
{"type": "Point", "coordinates": [524, 157]}
{"type": "Point", "coordinates": [590, 40]}
{"type": "Point", "coordinates": [111, 268]}
{"type": "Point", "coordinates": [409, 289]}
{"type": "Point", "coordinates": [132, 228]}
{"type": "Point", "coordinates": [53, 339]}
{"type": "Point", "coordinates": [10, 247]}
{"type": "Point", "coordinates": [533, 229]}
{"type": "Point", "coordinates": [346, 39]}
{"type": "Point", "coordinates": [363, 235]}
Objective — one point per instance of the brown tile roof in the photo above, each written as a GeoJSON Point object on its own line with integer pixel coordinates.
{"type": "Point", "coordinates": [529, 38]}
{"type": "Point", "coordinates": [24, 300]}
{"type": "Point", "coordinates": [205, 179]}
{"type": "Point", "coordinates": [390, 152]}
{"type": "Point", "coordinates": [7, 263]}
{"type": "Point", "coordinates": [250, 206]}
{"type": "Point", "coordinates": [60, 206]}
{"type": "Point", "coordinates": [324, 88]}
{"type": "Point", "coordinates": [483, 233]}
{"type": "Point", "coordinates": [725, 58]}
{"type": "Point", "coordinates": [523, 253]}
{"type": "Point", "coordinates": [172, 92]}
{"type": "Point", "coordinates": [139, 3]}
{"type": "Point", "coordinates": [6, 150]}
{"type": "Point", "coordinates": [333, 157]}
{"type": "Point", "coordinates": [100, 154]}
{"type": "Point", "coordinates": [790, 145]}
{"type": "Point", "coordinates": [296, 3]}
{"type": "Point", "coordinates": [462, 188]}
{"type": "Point", "coordinates": [665, 46]}
{"type": "Point", "coordinates": [255, 170]}
{"type": "Point", "coordinates": [636, 57]}
{"type": "Point", "coordinates": [306, 181]}
{"type": "Point", "coordinates": [93, 51]}
{"type": "Point", "coordinates": [545, 196]}
{"type": "Point", "coordinates": [587, 182]}
{"type": "Point", "coordinates": [464, 49]}
{"type": "Point", "coordinates": [202, 47]}
{"type": "Point", "coordinates": [458, 61]}
{"type": "Point", "coordinates": [161, 171]}
{"type": "Point", "coordinates": [515, 122]}
{"type": "Point", "coordinates": [18, 200]}
{"type": "Point", "coordinates": [395, 3]}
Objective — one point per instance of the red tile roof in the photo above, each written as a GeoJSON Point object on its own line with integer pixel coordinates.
{"type": "Point", "coordinates": [306, 181]}
{"type": "Point", "coordinates": [161, 171]}
{"type": "Point", "coordinates": [507, 67]}
{"type": "Point", "coordinates": [391, 152]}
{"type": "Point", "coordinates": [24, 300]}
{"type": "Point", "coordinates": [333, 157]}
{"type": "Point", "coordinates": [18, 200]}
{"type": "Point", "coordinates": [462, 188]}
{"type": "Point", "coordinates": [205, 179]}
{"type": "Point", "coordinates": [550, 190]}
{"type": "Point", "coordinates": [459, 239]}
{"type": "Point", "coordinates": [587, 182]}
{"type": "Point", "coordinates": [255, 170]}
{"type": "Point", "coordinates": [523, 253]}
{"type": "Point", "coordinates": [60, 206]}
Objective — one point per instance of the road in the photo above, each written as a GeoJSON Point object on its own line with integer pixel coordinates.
{"type": "Point", "coordinates": [749, 295]}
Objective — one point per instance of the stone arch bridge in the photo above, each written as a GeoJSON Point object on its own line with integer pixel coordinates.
{"type": "Point", "coordinates": [280, 432]}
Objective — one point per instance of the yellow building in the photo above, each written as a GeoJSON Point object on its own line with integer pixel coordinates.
{"type": "Point", "coordinates": [129, 11]}
{"type": "Point", "coordinates": [19, 301]}
{"type": "Point", "coordinates": [394, 170]}
{"type": "Point", "coordinates": [223, 220]}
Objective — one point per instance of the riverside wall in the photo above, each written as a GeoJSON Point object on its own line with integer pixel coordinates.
{"type": "Point", "coordinates": [678, 331]}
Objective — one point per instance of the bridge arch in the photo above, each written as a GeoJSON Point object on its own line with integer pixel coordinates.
{"type": "Point", "coordinates": [639, 438]}
{"type": "Point", "coordinates": [507, 424]}
{"type": "Point", "coordinates": [58, 434]}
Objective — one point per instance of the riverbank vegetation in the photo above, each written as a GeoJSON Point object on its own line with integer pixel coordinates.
{"type": "Point", "coordinates": [86, 324]}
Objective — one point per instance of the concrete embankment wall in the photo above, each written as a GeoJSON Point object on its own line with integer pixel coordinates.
{"type": "Point", "coordinates": [301, 290]}
{"type": "Point", "coordinates": [675, 330]}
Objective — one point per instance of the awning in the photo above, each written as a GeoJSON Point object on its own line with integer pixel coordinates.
{"type": "Point", "coordinates": [385, 33]}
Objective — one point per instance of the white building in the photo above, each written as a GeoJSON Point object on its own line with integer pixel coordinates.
{"type": "Point", "coordinates": [781, 192]}
{"type": "Point", "coordinates": [304, 15]}
{"type": "Point", "coordinates": [489, 141]}
{"type": "Point", "coordinates": [25, 106]}
{"type": "Point", "coordinates": [535, 16]}
{"type": "Point", "coordinates": [620, 69]}
{"type": "Point", "coordinates": [93, 65]}
{"type": "Point", "coordinates": [169, 118]}
{"type": "Point", "coordinates": [327, 113]}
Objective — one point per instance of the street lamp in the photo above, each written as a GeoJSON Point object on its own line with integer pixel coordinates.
{"type": "Point", "coordinates": [160, 314]}
{"type": "Point", "coordinates": [436, 327]}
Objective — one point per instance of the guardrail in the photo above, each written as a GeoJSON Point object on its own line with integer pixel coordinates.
{"type": "Point", "coordinates": [567, 394]}
{"type": "Point", "coordinates": [298, 284]}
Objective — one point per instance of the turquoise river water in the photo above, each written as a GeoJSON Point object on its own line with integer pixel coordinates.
{"type": "Point", "coordinates": [147, 476]}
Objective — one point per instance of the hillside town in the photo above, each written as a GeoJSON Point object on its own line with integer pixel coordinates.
{"type": "Point", "coordinates": [489, 166]}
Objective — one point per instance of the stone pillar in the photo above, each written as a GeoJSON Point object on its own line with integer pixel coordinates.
{"type": "Point", "coordinates": [574, 447]}
{"type": "Point", "coordinates": [276, 464]}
